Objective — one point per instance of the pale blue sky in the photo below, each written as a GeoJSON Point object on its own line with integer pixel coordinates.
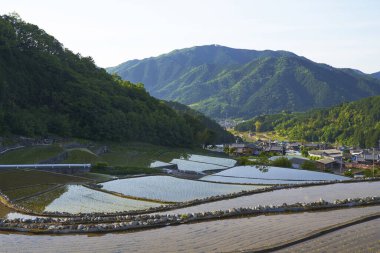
{"type": "Point", "coordinates": [341, 33]}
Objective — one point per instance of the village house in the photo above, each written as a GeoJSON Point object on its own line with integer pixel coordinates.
{"type": "Point", "coordinates": [311, 145]}
{"type": "Point", "coordinates": [367, 157]}
{"type": "Point", "coordinates": [327, 164]}
{"type": "Point", "coordinates": [280, 150]}
{"type": "Point", "coordinates": [295, 146]}
{"type": "Point", "coordinates": [240, 149]}
{"type": "Point", "coordinates": [334, 154]}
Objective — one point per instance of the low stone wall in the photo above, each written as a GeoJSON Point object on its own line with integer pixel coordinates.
{"type": "Point", "coordinates": [360, 166]}
{"type": "Point", "coordinates": [93, 224]}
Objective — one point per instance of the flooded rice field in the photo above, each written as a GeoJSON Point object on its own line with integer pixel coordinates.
{"type": "Point", "coordinates": [362, 237]}
{"type": "Point", "coordinates": [226, 162]}
{"type": "Point", "coordinates": [290, 196]}
{"type": "Point", "coordinates": [214, 236]}
{"type": "Point", "coordinates": [272, 173]}
{"type": "Point", "coordinates": [79, 199]}
{"type": "Point", "coordinates": [243, 180]}
{"type": "Point", "coordinates": [167, 188]}
{"type": "Point", "coordinates": [185, 165]}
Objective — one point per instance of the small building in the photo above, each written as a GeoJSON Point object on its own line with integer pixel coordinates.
{"type": "Point", "coordinates": [239, 149]}
{"type": "Point", "coordinates": [327, 163]}
{"type": "Point", "coordinates": [311, 145]}
{"type": "Point", "coordinates": [367, 157]}
{"type": "Point", "coordinates": [295, 146]}
{"type": "Point", "coordinates": [275, 149]}
{"type": "Point", "coordinates": [335, 154]}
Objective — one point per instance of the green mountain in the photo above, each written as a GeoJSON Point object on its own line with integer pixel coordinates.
{"type": "Point", "coordinates": [376, 75]}
{"type": "Point", "coordinates": [225, 82]}
{"type": "Point", "coordinates": [47, 89]}
{"type": "Point", "coordinates": [356, 123]}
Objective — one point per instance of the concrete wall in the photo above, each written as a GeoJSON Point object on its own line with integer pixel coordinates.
{"type": "Point", "coordinates": [59, 168]}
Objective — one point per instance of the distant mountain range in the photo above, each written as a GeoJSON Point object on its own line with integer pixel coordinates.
{"type": "Point", "coordinates": [238, 83]}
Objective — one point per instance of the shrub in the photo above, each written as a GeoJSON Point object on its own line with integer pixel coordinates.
{"type": "Point", "coordinates": [282, 162]}
{"type": "Point", "coordinates": [348, 173]}
{"type": "Point", "coordinates": [309, 165]}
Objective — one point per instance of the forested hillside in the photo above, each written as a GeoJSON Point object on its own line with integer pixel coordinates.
{"type": "Point", "coordinates": [237, 83]}
{"type": "Point", "coordinates": [213, 133]}
{"type": "Point", "coordinates": [356, 123]}
{"type": "Point", "coordinates": [47, 89]}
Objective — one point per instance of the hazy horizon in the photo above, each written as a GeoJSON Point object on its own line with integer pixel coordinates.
{"type": "Point", "coordinates": [340, 33]}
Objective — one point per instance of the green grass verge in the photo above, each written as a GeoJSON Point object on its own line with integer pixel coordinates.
{"type": "Point", "coordinates": [124, 171]}
{"type": "Point", "coordinates": [30, 155]}
{"type": "Point", "coordinates": [82, 156]}
{"type": "Point", "coordinates": [97, 176]}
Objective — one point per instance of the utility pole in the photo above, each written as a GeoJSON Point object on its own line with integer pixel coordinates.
{"type": "Point", "coordinates": [373, 164]}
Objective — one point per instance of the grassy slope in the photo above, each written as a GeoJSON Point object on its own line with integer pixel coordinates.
{"type": "Point", "coordinates": [30, 154]}
{"type": "Point", "coordinates": [82, 156]}
{"type": "Point", "coordinates": [129, 154]}
{"type": "Point", "coordinates": [142, 154]}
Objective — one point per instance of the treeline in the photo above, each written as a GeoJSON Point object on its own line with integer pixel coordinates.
{"type": "Point", "coordinates": [47, 89]}
{"type": "Point", "coordinates": [355, 124]}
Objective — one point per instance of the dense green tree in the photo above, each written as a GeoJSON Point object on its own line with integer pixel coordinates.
{"type": "Point", "coordinates": [258, 126]}
{"type": "Point", "coordinates": [282, 162]}
{"type": "Point", "coordinates": [309, 165]}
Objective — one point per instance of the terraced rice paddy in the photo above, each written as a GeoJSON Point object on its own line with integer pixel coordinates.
{"type": "Point", "coordinates": [186, 165]}
{"type": "Point", "coordinates": [209, 159]}
{"type": "Point", "coordinates": [157, 164]}
{"type": "Point", "coordinates": [242, 180]}
{"type": "Point", "coordinates": [200, 163]}
{"type": "Point", "coordinates": [215, 236]}
{"type": "Point", "coordinates": [4, 211]}
{"type": "Point", "coordinates": [13, 179]}
{"type": "Point", "coordinates": [167, 188]}
{"type": "Point", "coordinates": [270, 175]}
{"type": "Point", "coordinates": [27, 191]}
{"type": "Point", "coordinates": [291, 196]}
{"type": "Point", "coordinates": [79, 199]}
{"type": "Point", "coordinates": [363, 237]}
